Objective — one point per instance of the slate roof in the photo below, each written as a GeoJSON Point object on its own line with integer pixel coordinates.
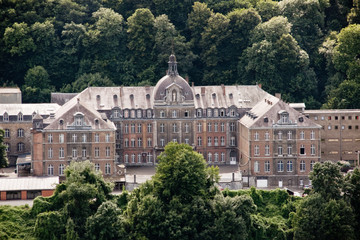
{"type": "Point", "coordinates": [74, 106]}
{"type": "Point", "coordinates": [270, 107]}
{"type": "Point", "coordinates": [29, 108]}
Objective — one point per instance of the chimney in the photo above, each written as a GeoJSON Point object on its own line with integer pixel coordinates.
{"type": "Point", "coordinates": [260, 85]}
{"type": "Point", "coordinates": [223, 89]}
{"type": "Point", "coordinates": [187, 78]}
{"type": "Point", "coordinates": [202, 91]}
{"type": "Point", "coordinates": [278, 95]}
{"type": "Point", "coordinates": [192, 84]}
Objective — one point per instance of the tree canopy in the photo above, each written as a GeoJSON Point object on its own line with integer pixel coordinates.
{"type": "Point", "coordinates": [276, 43]}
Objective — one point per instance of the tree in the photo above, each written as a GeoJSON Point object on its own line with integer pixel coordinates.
{"type": "Point", "coordinates": [88, 80]}
{"type": "Point", "coordinates": [37, 86]}
{"type": "Point", "coordinates": [347, 51]}
{"type": "Point", "coordinates": [3, 156]}
{"type": "Point", "coordinates": [275, 59]}
{"type": "Point", "coordinates": [77, 198]}
{"type": "Point", "coordinates": [105, 223]}
{"type": "Point", "coordinates": [168, 37]}
{"type": "Point", "coordinates": [215, 53]}
{"type": "Point", "coordinates": [267, 9]}
{"type": "Point", "coordinates": [317, 218]}
{"type": "Point", "coordinates": [345, 96]}
{"type": "Point", "coordinates": [141, 41]}
{"type": "Point", "coordinates": [182, 173]}
{"type": "Point", "coordinates": [327, 180]}
{"type": "Point", "coordinates": [352, 195]}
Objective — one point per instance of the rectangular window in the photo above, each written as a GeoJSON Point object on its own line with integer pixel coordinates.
{"type": "Point", "coordinates": [216, 141]}
{"type": "Point", "coordinates": [280, 150]}
{"type": "Point", "coordinates": [139, 128]}
{"type": "Point", "coordinates": [107, 151]}
{"type": "Point", "coordinates": [222, 127]}
{"type": "Point", "coordinates": [50, 138]}
{"type": "Point", "coordinates": [289, 150]}
{"type": "Point", "coordinates": [187, 141]}
{"type": "Point", "coordinates": [267, 166]}
{"type": "Point", "coordinates": [126, 142]}
{"type": "Point", "coordinates": [50, 153]}
{"type": "Point", "coordinates": [267, 150]}
{"type": "Point", "coordinates": [256, 150]}
{"type": "Point", "coordinates": [232, 127]}
{"type": "Point", "coordinates": [61, 152]}
{"type": "Point", "coordinates": [162, 128]}
{"type": "Point", "coordinates": [97, 138]}
{"type": "Point", "coordinates": [149, 128]}
{"type": "Point", "coordinates": [289, 135]}
{"type": "Point", "coordinates": [74, 137]}
{"type": "Point", "coordinates": [232, 141]}
{"type": "Point", "coordinates": [162, 142]}
{"type": "Point", "coordinates": [256, 136]}
{"type": "Point", "coordinates": [222, 141]}
{"type": "Point", "coordinates": [107, 137]}
{"type": "Point", "coordinates": [74, 152]}
{"type": "Point", "coordinates": [149, 142]}
{"type": "Point", "coordinates": [199, 141]}
{"type": "Point", "coordinates": [312, 149]}
{"type": "Point", "coordinates": [222, 157]}
{"type": "Point", "coordinates": [215, 127]}
{"type": "Point", "coordinates": [312, 135]}
{"type": "Point", "coordinates": [83, 152]}
{"type": "Point", "coordinates": [267, 136]}
{"type": "Point", "coordinates": [302, 150]}
{"type": "Point", "coordinates": [132, 142]}
{"type": "Point", "coordinates": [256, 166]}
{"type": "Point", "coordinates": [186, 128]}
{"type": "Point", "coordinates": [302, 135]}
{"type": "Point", "coordinates": [280, 135]}
{"type": "Point", "coordinates": [97, 152]}
{"type": "Point", "coordinates": [209, 127]}
{"type": "Point", "coordinates": [139, 142]}
{"type": "Point", "coordinates": [133, 128]}
{"type": "Point", "coordinates": [126, 128]}
{"type": "Point", "coordinates": [199, 127]}
{"type": "Point", "coordinates": [174, 126]}
{"type": "Point", "coordinates": [209, 141]}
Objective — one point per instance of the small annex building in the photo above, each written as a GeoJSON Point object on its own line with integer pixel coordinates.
{"type": "Point", "coordinates": [27, 187]}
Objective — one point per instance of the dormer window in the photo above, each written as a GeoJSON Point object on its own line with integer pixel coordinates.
{"type": "Point", "coordinates": [79, 119]}
{"type": "Point", "coordinates": [284, 118]}
{"type": "Point", "coordinates": [20, 117]}
{"type": "Point", "coordinates": [6, 117]}
{"type": "Point", "coordinates": [162, 114]}
{"type": "Point", "coordinates": [116, 113]}
{"type": "Point", "coordinates": [138, 113]}
{"type": "Point", "coordinates": [209, 113]}
{"type": "Point", "coordinates": [198, 113]}
{"type": "Point", "coordinates": [232, 113]}
{"type": "Point", "coordinates": [148, 113]}
{"type": "Point", "coordinates": [97, 97]}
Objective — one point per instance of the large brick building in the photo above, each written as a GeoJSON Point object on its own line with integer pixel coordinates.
{"type": "Point", "coordinates": [278, 145]}
{"type": "Point", "coordinates": [239, 125]}
{"type": "Point", "coordinates": [76, 133]}
{"type": "Point", "coordinates": [16, 121]}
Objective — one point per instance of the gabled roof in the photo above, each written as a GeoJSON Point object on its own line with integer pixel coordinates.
{"type": "Point", "coordinates": [62, 98]}
{"type": "Point", "coordinates": [270, 107]}
{"type": "Point", "coordinates": [67, 112]}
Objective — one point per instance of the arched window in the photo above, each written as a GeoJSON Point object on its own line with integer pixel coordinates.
{"type": "Point", "coordinates": [6, 117]}
{"type": "Point", "coordinates": [174, 95]}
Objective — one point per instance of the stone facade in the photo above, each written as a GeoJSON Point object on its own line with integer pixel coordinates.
{"type": "Point", "coordinates": [340, 134]}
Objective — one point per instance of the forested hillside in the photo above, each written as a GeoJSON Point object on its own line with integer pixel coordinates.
{"type": "Point", "coordinates": [308, 50]}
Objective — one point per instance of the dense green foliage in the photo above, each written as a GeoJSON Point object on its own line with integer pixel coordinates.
{"type": "Point", "coordinates": [83, 208]}
{"type": "Point", "coordinates": [305, 50]}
